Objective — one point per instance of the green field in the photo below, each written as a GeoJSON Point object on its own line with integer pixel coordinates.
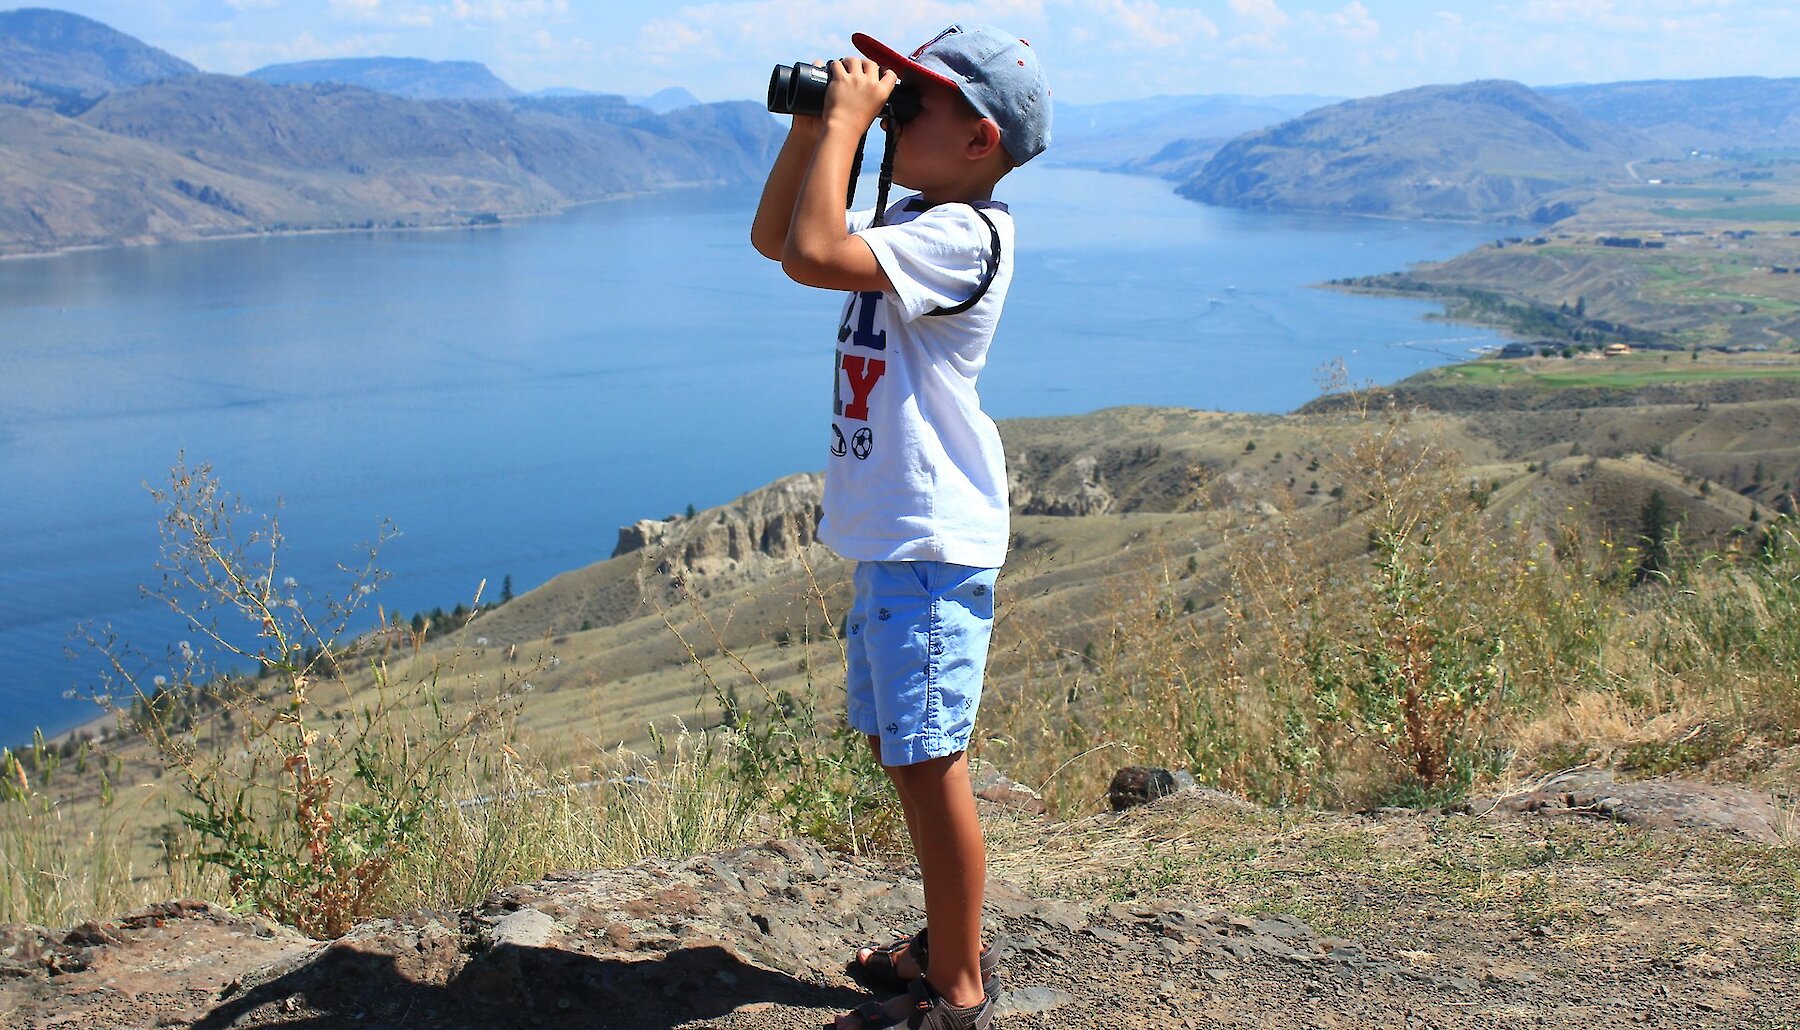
{"type": "Point", "coordinates": [1736, 213]}
{"type": "Point", "coordinates": [1616, 373]}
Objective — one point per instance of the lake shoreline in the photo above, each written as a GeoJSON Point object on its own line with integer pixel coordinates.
{"type": "Point", "coordinates": [503, 219]}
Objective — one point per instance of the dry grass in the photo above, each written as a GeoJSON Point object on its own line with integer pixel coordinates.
{"type": "Point", "coordinates": [1402, 644]}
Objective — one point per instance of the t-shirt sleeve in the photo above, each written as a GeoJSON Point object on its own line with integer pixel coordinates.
{"type": "Point", "coordinates": [936, 260]}
{"type": "Point", "coordinates": [857, 221]}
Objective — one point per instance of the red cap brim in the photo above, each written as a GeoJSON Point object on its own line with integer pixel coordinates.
{"type": "Point", "coordinates": [893, 60]}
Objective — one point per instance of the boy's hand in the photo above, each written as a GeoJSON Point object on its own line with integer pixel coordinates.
{"type": "Point", "coordinates": [859, 87]}
{"type": "Point", "coordinates": [807, 126]}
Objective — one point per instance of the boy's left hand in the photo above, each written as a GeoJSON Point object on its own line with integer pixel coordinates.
{"type": "Point", "coordinates": [859, 88]}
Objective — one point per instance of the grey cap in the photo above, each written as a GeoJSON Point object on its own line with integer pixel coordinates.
{"type": "Point", "coordinates": [996, 73]}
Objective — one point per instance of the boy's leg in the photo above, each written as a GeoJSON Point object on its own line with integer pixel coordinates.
{"type": "Point", "coordinates": [921, 630]}
{"type": "Point", "coordinates": [940, 810]}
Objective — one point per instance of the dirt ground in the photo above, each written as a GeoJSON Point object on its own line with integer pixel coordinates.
{"type": "Point", "coordinates": [1193, 911]}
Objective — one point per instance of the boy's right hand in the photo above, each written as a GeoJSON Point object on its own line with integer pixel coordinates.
{"type": "Point", "coordinates": [859, 88]}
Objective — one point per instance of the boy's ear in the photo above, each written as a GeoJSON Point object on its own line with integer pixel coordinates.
{"type": "Point", "coordinates": [984, 140]}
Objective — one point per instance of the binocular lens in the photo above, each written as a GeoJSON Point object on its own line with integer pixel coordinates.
{"type": "Point", "coordinates": [799, 88]}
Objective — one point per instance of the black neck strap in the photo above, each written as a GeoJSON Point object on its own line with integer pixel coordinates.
{"type": "Point", "coordinates": [886, 181]}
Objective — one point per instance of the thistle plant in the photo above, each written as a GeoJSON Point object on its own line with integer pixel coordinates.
{"type": "Point", "coordinates": [305, 812]}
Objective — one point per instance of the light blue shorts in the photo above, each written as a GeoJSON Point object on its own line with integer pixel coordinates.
{"type": "Point", "coordinates": [917, 644]}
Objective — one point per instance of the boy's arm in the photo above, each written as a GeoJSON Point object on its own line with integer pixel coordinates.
{"type": "Point", "coordinates": [775, 212]}
{"type": "Point", "coordinates": [819, 250]}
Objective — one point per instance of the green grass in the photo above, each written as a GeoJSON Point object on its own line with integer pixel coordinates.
{"type": "Point", "coordinates": [1614, 373]}
{"type": "Point", "coordinates": [1735, 213]}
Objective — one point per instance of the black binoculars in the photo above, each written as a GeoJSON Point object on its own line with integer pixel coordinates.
{"type": "Point", "coordinates": [799, 88]}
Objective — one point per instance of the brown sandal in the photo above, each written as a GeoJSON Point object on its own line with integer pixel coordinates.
{"type": "Point", "coordinates": [927, 1010]}
{"type": "Point", "coordinates": [878, 972]}
{"type": "Point", "coordinates": [932, 1012]}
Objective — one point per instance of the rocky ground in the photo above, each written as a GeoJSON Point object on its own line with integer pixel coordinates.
{"type": "Point", "coordinates": [1582, 903]}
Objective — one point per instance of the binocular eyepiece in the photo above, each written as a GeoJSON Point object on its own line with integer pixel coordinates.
{"type": "Point", "coordinates": [799, 88]}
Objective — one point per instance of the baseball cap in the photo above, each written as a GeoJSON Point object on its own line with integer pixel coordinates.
{"type": "Point", "coordinates": [996, 73]}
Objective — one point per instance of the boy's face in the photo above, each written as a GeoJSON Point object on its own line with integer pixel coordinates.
{"type": "Point", "coordinates": [940, 146]}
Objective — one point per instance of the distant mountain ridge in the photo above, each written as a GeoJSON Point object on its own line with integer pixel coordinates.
{"type": "Point", "coordinates": [1164, 135]}
{"type": "Point", "coordinates": [412, 77]}
{"type": "Point", "coordinates": [1696, 114]}
{"type": "Point", "coordinates": [1487, 149]}
{"type": "Point", "coordinates": [126, 144]}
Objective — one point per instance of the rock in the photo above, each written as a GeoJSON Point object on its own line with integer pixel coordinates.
{"type": "Point", "coordinates": [771, 525]}
{"type": "Point", "coordinates": [1672, 804]}
{"type": "Point", "coordinates": [1139, 784]}
{"type": "Point", "coordinates": [1028, 1001]}
{"type": "Point", "coordinates": [526, 928]}
{"type": "Point", "coordinates": [993, 786]}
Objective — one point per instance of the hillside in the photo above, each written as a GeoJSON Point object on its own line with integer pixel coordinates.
{"type": "Point", "coordinates": [110, 141]}
{"type": "Point", "coordinates": [1698, 284]}
{"type": "Point", "coordinates": [1488, 150]}
{"type": "Point", "coordinates": [1585, 859]}
{"type": "Point", "coordinates": [1716, 115]}
{"type": "Point", "coordinates": [64, 61]}
{"type": "Point", "coordinates": [411, 77]}
{"type": "Point", "coordinates": [204, 155]}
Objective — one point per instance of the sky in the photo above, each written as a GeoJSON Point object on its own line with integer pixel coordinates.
{"type": "Point", "coordinates": [1093, 50]}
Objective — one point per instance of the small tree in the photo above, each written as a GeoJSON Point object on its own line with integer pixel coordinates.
{"type": "Point", "coordinates": [1655, 527]}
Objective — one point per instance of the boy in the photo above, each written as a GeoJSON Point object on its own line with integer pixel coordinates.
{"type": "Point", "coordinates": [915, 491]}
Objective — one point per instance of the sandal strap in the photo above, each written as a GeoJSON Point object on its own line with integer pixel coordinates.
{"type": "Point", "coordinates": [931, 1012]}
{"type": "Point", "coordinates": [990, 955]}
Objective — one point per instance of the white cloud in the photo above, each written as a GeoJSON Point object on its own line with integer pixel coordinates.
{"type": "Point", "coordinates": [1109, 41]}
{"type": "Point", "coordinates": [379, 12]}
{"type": "Point", "coordinates": [1588, 14]}
{"type": "Point", "coordinates": [1265, 17]}
{"type": "Point", "coordinates": [502, 12]}
{"type": "Point", "coordinates": [1353, 22]}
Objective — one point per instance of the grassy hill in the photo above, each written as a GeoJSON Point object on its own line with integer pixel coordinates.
{"type": "Point", "coordinates": [1145, 541]}
{"type": "Point", "coordinates": [1492, 150]}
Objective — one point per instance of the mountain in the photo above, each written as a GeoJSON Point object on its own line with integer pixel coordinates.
{"type": "Point", "coordinates": [212, 154]}
{"type": "Point", "coordinates": [665, 100]}
{"type": "Point", "coordinates": [411, 77]}
{"type": "Point", "coordinates": [1488, 149]}
{"type": "Point", "coordinates": [64, 61]}
{"type": "Point", "coordinates": [108, 141]}
{"type": "Point", "coordinates": [1696, 114]}
{"type": "Point", "coordinates": [1129, 135]}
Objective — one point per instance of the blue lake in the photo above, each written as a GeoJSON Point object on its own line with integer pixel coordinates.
{"type": "Point", "coordinates": [509, 398]}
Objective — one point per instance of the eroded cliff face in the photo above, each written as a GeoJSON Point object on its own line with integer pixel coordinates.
{"type": "Point", "coordinates": [773, 524]}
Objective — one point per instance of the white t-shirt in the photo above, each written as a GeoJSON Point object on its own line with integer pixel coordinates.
{"type": "Point", "coordinates": [916, 470]}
